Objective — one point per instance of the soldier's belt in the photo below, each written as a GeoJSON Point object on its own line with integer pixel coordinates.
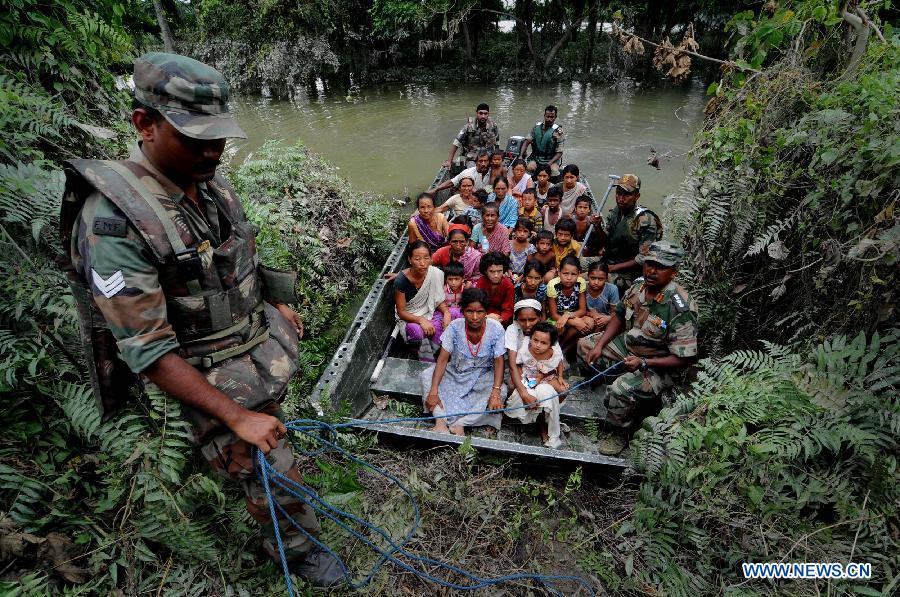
{"type": "Point", "coordinates": [211, 359]}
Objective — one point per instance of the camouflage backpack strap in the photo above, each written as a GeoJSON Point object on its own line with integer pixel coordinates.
{"type": "Point", "coordinates": [149, 208]}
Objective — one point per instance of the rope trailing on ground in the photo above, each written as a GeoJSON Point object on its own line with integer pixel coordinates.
{"type": "Point", "coordinates": [325, 434]}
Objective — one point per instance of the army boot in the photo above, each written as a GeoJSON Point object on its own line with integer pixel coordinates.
{"type": "Point", "coordinates": [613, 444]}
{"type": "Point", "coordinates": [320, 569]}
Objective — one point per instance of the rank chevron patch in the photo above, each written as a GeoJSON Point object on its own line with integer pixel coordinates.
{"type": "Point", "coordinates": [111, 285]}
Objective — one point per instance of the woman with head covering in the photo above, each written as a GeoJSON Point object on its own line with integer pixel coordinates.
{"type": "Point", "coordinates": [459, 250]}
{"type": "Point", "coordinates": [468, 375]}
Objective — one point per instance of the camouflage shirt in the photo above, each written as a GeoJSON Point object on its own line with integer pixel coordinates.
{"type": "Point", "coordinates": [127, 286]}
{"type": "Point", "coordinates": [472, 138]}
{"type": "Point", "coordinates": [630, 234]}
{"type": "Point", "coordinates": [660, 325]}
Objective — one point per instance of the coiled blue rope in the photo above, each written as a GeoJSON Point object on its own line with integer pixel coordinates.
{"type": "Point", "coordinates": [312, 429]}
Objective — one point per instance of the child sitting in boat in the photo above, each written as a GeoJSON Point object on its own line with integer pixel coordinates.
{"type": "Point", "coordinates": [453, 287]}
{"type": "Point", "coordinates": [532, 285]}
{"type": "Point", "coordinates": [563, 245]}
{"type": "Point", "coordinates": [566, 304]}
{"type": "Point", "coordinates": [419, 300]}
{"type": "Point", "coordinates": [426, 224]}
{"type": "Point", "coordinates": [520, 248]}
{"type": "Point", "coordinates": [581, 215]}
{"type": "Point", "coordinates": [601, 297]}
{"type": "Point", "coordinates": [544, 254]}
{"type": "Point", "coordinates": [490, 234]}
{"type": "Point", "coordinates": [552, 212]}
{"type": "Point", "coordinates": [468, 375]}
{"type": "Point", "coordinates": [539, 383]}
{"type": "Point", "coordinates": [543, 186]}
{"type": "Point", "coordinates": [497, 169]}
{"type": "Point", "coordinates": [530, 211]}
{"type": "Point", "coordinates": [497, 287]}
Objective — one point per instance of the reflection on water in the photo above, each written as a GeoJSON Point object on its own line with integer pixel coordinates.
{"type": "Point", "coordinates": [391, 139]}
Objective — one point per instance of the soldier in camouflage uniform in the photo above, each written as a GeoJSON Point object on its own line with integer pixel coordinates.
{"type": "Point", "coordinates": [480, 134]}
{"type": "Point", "coordinates": [170, 291]}
{"type": "Point", "coordinates": [630, 230]}
{"type": "Point", "coordinates": [659, 321]}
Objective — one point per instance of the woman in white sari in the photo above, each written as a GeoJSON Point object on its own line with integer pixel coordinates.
{"type": "Point", "coordinates": [419, 298]}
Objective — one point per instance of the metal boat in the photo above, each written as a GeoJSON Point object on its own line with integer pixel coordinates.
{"type": "Point", "coordinates": [371, 376]}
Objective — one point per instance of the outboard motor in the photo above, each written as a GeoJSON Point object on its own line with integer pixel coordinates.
{"type": "Point", "coordinates": [513, 147]}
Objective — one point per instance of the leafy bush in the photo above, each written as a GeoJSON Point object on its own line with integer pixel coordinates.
{"type": "Point", "coordinates": [772, 457]}
{"type": "Point", "coordinates": [788, 214]}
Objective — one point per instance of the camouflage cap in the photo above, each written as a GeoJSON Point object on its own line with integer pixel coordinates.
{"type": "Point", "coordinates": [629, 183]}
{"type": "Point", "coordinates": [191, 95]}
{"type": "Point", "coordinates": [662, 252]}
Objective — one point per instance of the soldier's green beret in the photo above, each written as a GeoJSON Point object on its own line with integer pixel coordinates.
{"type": "Point", "coordinates": [664, 253]}
{"type": "Point", "coordinates": [191, 95]}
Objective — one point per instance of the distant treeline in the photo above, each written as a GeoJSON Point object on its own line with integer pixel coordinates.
{"type": "Point", "coordinates": [281, 45]}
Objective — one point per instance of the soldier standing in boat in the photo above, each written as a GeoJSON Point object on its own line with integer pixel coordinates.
{"type": "Point", "coordinates": [170, 292]}
{"type": "Point", "coordinates": [478, 134]}
{"type": "Point", "coordinates": [631, 228]}
{"type": "Point", "coordinates": [546, 140]}
{"type": "Point", "coordinates": [653, 333]}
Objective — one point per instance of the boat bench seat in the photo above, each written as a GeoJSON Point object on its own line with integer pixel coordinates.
{"type": "Point", "coordinates": [399, 379]}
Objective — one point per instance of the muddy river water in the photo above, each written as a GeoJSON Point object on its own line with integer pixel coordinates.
{"type": "Point", "coordinates": [391, 139]}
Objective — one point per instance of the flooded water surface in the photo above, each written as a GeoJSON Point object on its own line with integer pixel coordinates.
{"type": "Point", "coordinates": [391, 139]}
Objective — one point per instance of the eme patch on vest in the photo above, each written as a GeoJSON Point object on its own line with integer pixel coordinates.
{"type": "Point", "coordinates": [110, 227]}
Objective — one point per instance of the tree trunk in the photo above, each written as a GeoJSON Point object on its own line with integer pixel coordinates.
{"type": "Point", "coordinates": [562, 41]}
{"type": "Point", "coordinates": [592, 37]}
{"type": "Point", "coordinates": [470, 53]}
{"type": "Point", "coordinates": [524, 12]}
{"type": "Point", "coordinates": [164, 30]}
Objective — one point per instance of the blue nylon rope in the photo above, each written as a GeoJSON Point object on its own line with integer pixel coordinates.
{"type": "Point", "coordinates": [312, 429]}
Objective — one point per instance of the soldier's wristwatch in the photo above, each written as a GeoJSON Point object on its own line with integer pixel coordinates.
{"type": "Point", "coordinates": [643, 364]}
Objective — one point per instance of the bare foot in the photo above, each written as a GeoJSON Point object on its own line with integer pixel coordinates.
{"type": "Point", "coordinates": [458, 430]}
{"type": "Point", "coordinates": [440, 427]}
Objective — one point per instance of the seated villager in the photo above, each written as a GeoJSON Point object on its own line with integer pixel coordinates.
{"type": "Point", "coordinates": [468, 375]}
{"type": "Point", "coordinates": [497, 286]}
{"type": "Point", "coordinates": [581, 215]}
{"type": "Point", "coordinates": [601, 297]}
{"type": "Point", "coordinates": [529, 211]}
{"type": "Point", "coordinates": [454, 283]}
{"type": "Point", "coordinates": [540, 365]}
{"type": "Point", "coordinates": [566, 304]}
{"type": "Point", "coordinates": [654, 333]}
{"type": "Point", "coordinates": [631, 228]}
{"type": "Point", "coordinates": [571, 188]}
{"type": "Point", "coordinates": [543, 244]}
{"type": "Point", "coordinates": [427, 225]}
{"type": "Point", "coordinates": [458, 203]}
{"type": "Point", "coordinates": [542, 185]}
{"type": "Point", "coordinates": [551, 213]}
{"type": "Point", "coordinates": [507, 206]}
{"type": "Point", "coordinates": [532, 284]}
{"type": "Point", "coordinates": [471, 216]}
{"type": "Point", "coordinates": [480, 173]}
{"type": "Point", "coordinates": [419, 300]}
{"type": "Point", "coordinates": [527, 313]}
{"type": "Point", "coordinates": [498, 170]}
{"type": "Point", "coordinates": [490, 234]}
{"type": "Point", "coordinates": [520, 248]}
{"type": "Point", "coordinates": [518, 179]}
{"type": "Point", "coordinates": [563, 245]}
{"type": "Point", "coordinates": [458, 250]}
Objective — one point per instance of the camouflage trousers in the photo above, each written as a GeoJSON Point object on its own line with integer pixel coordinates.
{"type": "Point", "coordinates": [532, 166]}
{"type": "Point", "coordinates": [630, 391]}
{"type": "Point", "coordinates": [232, 457]}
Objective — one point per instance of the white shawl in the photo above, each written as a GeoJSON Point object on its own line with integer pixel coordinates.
{"type": "Point", "coordinates": [428, 297]}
